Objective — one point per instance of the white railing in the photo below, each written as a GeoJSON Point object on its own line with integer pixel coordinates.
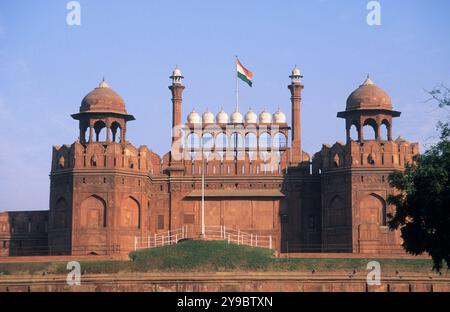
{"type": "Point", "coordinates": [160, 239]}
{"type": "Point", "coordinates": [221, 232]}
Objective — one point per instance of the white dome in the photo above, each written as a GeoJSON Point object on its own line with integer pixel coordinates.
{"type": "Point", "coordinates": [194, 117]}
{"type": "Point", "coordinates": [222, 117]}
{"type": "Point", "coordinates": [208, 117]}
{"type": "Point", "coordinates": [236, 117]}
{"type": "Point", "coordinates": [177, 72]}
{"type": "Point", "coordinates": [251, 117]}
{"type": "Point", "coordinates": [296, 71]}
{"type": "Point", "coordinates": [279, 117]}
{"type": "Point", "coordinates": [265, 117]}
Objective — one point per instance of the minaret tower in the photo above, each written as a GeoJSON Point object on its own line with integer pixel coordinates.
{"type": "Point", "coordinates": [296, 88]}
{"type": "Point", "coordinates": [177, 96]}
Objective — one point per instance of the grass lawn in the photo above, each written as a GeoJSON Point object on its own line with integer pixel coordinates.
{"type": "Point", "coordinates": [212, 256]}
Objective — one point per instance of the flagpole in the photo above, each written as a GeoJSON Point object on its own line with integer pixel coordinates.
{"type": "Point", "coordinates": [237, 86]}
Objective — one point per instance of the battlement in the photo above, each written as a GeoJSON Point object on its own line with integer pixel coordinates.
{"type": "Point", "coordinates": [98, 155]}
{"type": "Point", "coordinates": [370, 153]}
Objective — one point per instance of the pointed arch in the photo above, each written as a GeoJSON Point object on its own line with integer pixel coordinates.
{"type": "Point", "coordinates": [130, 213]}
{"type": "Point", "coordinates": [373, 209]}
{"type": "Point", "coordinates": [100, 133]}
{"type": "Point", "coordinates": [336, 211]}
{"type": "Point", "coordinates": [93, 212]}
{"type": "Point", "coordinates": [370, 129]}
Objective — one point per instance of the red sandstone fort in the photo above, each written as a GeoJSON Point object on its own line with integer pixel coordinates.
{"type": "Point", "coordinates": [239, 172]}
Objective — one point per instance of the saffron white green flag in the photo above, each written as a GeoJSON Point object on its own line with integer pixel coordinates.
{"type": "Point", "coordinates": [243, 73]}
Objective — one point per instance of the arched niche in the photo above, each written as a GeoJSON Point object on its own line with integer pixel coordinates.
{"type": "Point", "coordinates": [373, 210]}
{"type": "Point", "coordinates": [93, 213]}
{"type": "Point", "coordinates": [129, 216]}
{"type": "Point", "coordinates": [336, 212]}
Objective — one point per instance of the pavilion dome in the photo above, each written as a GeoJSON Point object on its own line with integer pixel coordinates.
{"type": "Point", "coordinates": [368, 96]}
{"type": "Point", "coordinates": [103, 99]}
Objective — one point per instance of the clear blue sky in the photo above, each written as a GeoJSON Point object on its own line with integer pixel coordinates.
{"type": "Point", "coordinates": [46, 67]}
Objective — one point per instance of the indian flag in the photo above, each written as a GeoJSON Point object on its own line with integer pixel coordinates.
{"type": "Point", "coordinates": [243, 73]}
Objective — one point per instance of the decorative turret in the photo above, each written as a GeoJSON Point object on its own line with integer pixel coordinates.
{"type": "Point", "coordinates": [369, 105]}
{"type": "Point", "coordinates": [100, 109]}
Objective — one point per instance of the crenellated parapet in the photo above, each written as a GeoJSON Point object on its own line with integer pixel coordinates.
{"type": "Point", "coordinates": [369, 154]}
{"type": "Point", "coordinates": [101, 156]}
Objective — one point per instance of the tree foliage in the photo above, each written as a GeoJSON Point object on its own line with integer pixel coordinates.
{"type": "Point", "coordinates": [423, 198]}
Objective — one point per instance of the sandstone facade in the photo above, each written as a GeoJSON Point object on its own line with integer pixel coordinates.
{"type": "Point", "coordinates": [105, 191]}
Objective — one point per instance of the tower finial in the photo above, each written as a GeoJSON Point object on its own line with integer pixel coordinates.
{"type": "Point", "coordinates": [368, 81]}
{"type": "Point", "coordinates": [103, 83]}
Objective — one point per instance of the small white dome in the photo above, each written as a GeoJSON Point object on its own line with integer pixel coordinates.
{"type": "Point", "coordinates": [236, 117]}
{"type": "Point", "coordinates": [177, 72]}
{"type": "Point", "coordinates": [265, 117]}
{"type": "Point", "coordinates": [222, 117]}
{"type": "Point", "coordinates": [208, 117]}
{"type": "Point", "coordinates": [279, 117]}
{"type": "Point", "coordinates": [194, 117]}
{"type": "Point", "coordinates": [251, 117]}
{"type": "Point", "coordinates": [296, 71]}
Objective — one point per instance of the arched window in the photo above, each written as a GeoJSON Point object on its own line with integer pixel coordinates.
{"type": "Point", "coordinates": [336, 161]}
{"type": "Point", "coordinates": [193, 141]}
{"type": "Point", "coordinates": [207, 142]}
{"type": "Point", "coordinates": [221, 141]}
{"type": "Point", "coordinates": [251, 142]}
{"type": "Point", "coordinates": [116, 132]}
{"type": "Point", "coordinates": [100, 131]}
{"type": "Point", "coordinates": [370, 129]}
{"type": "Point", "coordinates": [84, 134]}
{"type": "Point", "coordinates": [354, 132]}
{"type": "Point", "coordinates": [237, 140]}
{"type": "Point", "coordinates": [279, 141]}
{"type": "Point", "coordinates": [265, 141]}
{"type": "Point", "coordinates": [385, 129]}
